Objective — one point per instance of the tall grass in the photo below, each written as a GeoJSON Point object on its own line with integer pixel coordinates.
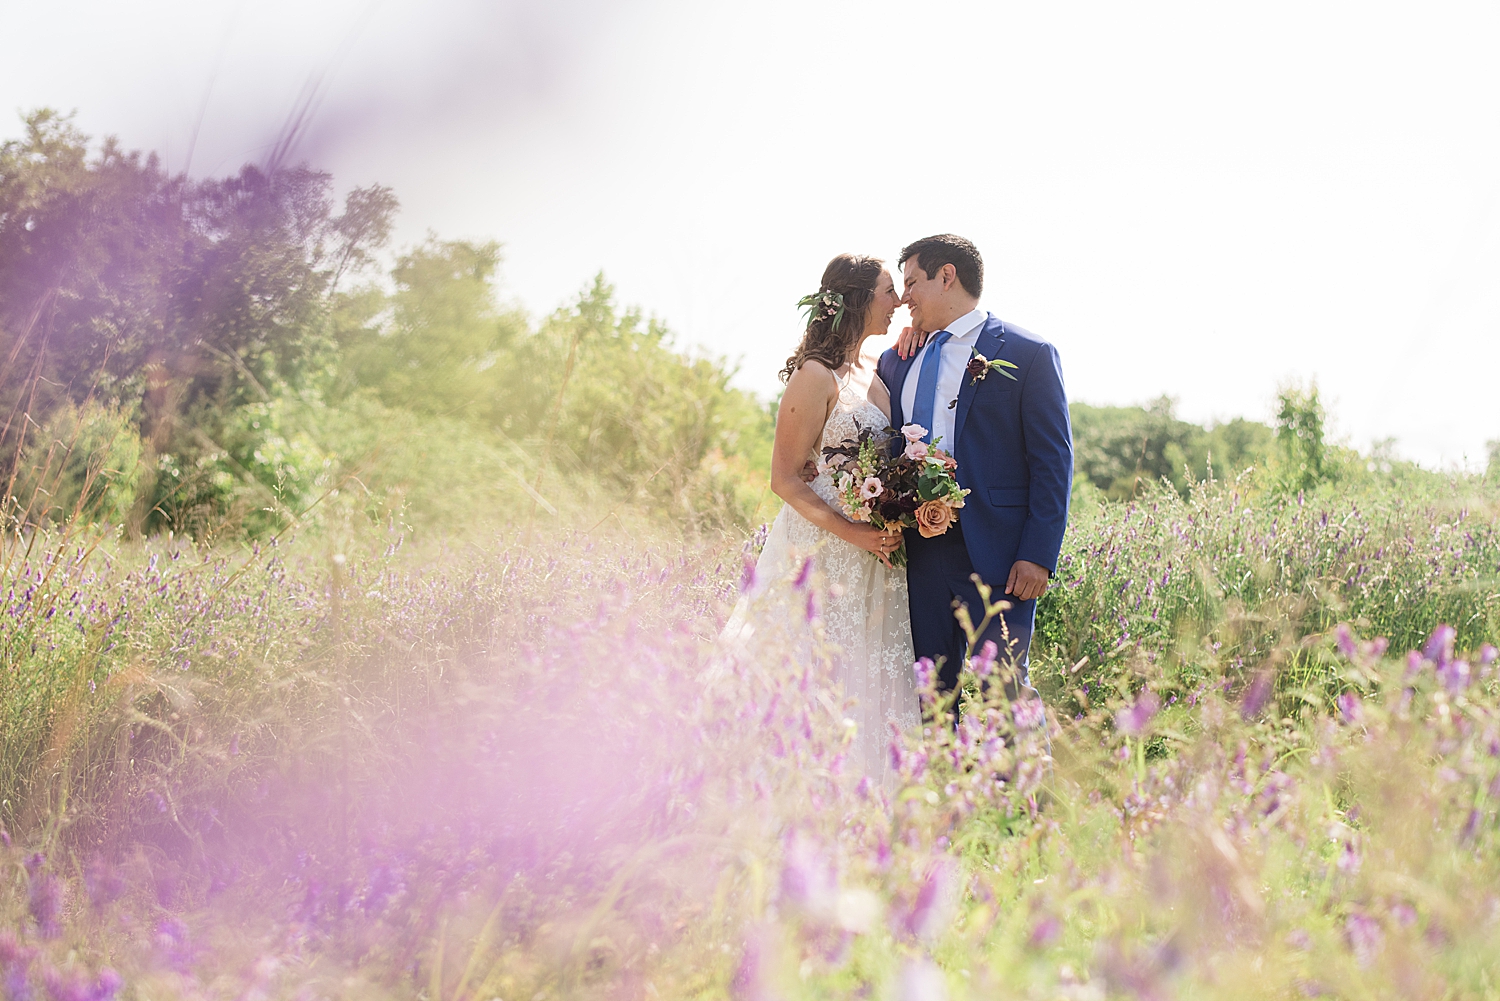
{"type": "Point", "coordinates": [534, 772]}
{"type": "Point", "coordinates": [1233, 581]}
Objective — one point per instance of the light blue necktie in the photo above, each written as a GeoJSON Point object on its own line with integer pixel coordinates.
{"type": "Point", "coordinates": [925, 401]}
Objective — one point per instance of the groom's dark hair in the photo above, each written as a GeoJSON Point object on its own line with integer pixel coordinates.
{"type": "Point", "coordinates": [932, 252]}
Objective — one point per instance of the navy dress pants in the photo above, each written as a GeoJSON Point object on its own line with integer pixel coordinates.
{"type": "Point", "coordinates": [938, 578]}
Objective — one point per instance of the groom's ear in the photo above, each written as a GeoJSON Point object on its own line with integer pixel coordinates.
{"type": "Point", "coordinates": [949, 275]}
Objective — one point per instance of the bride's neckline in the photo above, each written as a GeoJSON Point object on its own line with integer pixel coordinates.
{"type": "Point", "coordinates": [845, 372]}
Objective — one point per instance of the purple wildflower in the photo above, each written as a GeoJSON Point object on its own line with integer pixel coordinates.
{"type": "Point", "coordinates": [102, 883]}
{"type": "Point", "coordinates": [1345, 640]}
{"type": "Point", "coordinates": [1257, 694]}
{"type": "Point", "coordinates": [15, 968]}
{"type": "Point", "coordinates": [808, 879]}
{"type": "Point", "coordinates": [933, 907]}
{"type": "Point", "coordinates": [80, 987]}
{"type": "Point", "coordinates": [752, 978]}
{"type": "Point", "coordinates": [1351, 708]}
{"type": "Point", "coordinates": [1439, 648]}
{"type": "Point", "coordinates": [926, 672]}
{"type": "Point", "coordinates": [1454, 675]}
{"type": "Point", "coordinates": [1470, 829]}
{"type": "Point", "coordinates": [44, 897]}
{"type": "Point", "coordinates": [1349, 859]}
{"type": "Point", "coordinates": [984, 662]}
{"type": "Point", "coordinates": [172, 940]}
{"type": "Point", "coordinates": [1364, 936]}
{"type": "Point", "coordinates": [1029, 714]}
{"type": "Point", "coordinates": [1045, 932]}
{"type": "Point", "coordinates": [1133, 719]}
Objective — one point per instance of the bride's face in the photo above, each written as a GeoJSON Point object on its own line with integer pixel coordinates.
{"type": "Point", "coordinates": [883, 306]}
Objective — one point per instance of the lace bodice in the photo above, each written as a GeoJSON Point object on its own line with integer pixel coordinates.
{"type": "Point", "coordinates": [851, 415]}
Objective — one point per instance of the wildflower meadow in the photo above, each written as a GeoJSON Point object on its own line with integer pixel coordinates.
{"type": "Point", "coordinates": [529, 769]}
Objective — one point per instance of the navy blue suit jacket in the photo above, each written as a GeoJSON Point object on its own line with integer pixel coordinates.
{"type": "Point", "coordinates": [1014, 446]}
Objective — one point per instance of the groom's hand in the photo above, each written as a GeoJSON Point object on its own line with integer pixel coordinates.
{"type": "Point", "coordinates": [910, 341]}
{"type": "Point", "coordinates": [1027, 580]}
{"type": "Point", "coordinates": [809, 471]}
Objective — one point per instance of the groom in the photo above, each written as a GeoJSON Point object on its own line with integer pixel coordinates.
{"type": "Point", "coordinates": [1014, 447]}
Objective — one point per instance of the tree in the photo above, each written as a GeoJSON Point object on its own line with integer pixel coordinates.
{"type": "Point", "coordinates": [1300, 421]}
{"type": "Point", "coordinates": [176, 300]}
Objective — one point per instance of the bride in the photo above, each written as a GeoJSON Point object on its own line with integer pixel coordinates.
{"type": "Point", "coordinates": [865, 618]}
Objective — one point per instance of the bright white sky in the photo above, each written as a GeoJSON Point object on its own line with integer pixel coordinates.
{"type": "Point", "coordinates": [1200, 199]}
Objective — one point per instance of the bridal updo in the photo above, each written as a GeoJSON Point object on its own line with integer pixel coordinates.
{"type": "Point", "coordinates": [832, 336]}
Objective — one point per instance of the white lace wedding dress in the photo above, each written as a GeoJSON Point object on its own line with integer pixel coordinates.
{"type": "Point", "coordinates": [863, 611]}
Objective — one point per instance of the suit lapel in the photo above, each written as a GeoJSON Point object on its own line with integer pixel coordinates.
{"type": "Point", "coordinates": [990, 341]}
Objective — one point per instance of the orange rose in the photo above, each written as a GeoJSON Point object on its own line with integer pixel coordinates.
{"type": "Point", "coordinates": [933, 518]}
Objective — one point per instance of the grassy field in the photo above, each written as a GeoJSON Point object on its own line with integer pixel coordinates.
{"type": "Point", "coordinates": [523, 769]}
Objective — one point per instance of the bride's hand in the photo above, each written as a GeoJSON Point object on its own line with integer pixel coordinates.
{"type": "Point", "coordinates": [881, 542]}
{"type": "Point", "coordinates": [910, 340]}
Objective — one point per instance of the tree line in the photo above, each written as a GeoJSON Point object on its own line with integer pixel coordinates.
{"type": "Point", "coordinates": [229, 356]}
{"type": "Point", "coordinates": [247, 354]}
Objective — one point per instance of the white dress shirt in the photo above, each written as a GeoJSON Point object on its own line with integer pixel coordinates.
{"type": "Point", "coordinates": [951, 367]}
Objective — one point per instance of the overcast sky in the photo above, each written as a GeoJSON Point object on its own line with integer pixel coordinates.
{"type": "Point", "coordinates": [1198, 199]}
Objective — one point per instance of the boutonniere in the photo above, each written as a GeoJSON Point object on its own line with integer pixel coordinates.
{"type": "Point", "coordinates": [980, 366]}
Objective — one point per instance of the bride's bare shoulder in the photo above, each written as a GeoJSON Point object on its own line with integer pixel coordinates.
{"type": "Point", "coordinates": [814, 369]}
{"type": "Point", "coordinates": [813, 376]}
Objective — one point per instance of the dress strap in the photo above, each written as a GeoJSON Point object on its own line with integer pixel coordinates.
{"type": "Point", "coordinates": [842, 382]}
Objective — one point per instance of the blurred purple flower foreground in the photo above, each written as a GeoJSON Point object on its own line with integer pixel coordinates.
{"type": "Point", "coordinates": [538, 773]}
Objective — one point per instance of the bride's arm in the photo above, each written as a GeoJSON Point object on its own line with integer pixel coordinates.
{"type": "Point", "coordinates": [809, 397]}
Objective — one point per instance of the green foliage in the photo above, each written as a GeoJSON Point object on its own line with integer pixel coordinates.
{"type": "Point", "coordinates": [1123, 451]}
{"type": "Point", "coordinates": [653, 423]}
{"type": "Point", "coordinates": [84, 464]}
{"type": "Point", "coordinates": [1300, 421]}
{"type": "Point", "coordinates": [596, 402]}
{"type": "Point", "coordinates": [241, 326]}
{"type": "Point", "coordinates": [444, 334]}
{"type": "Point", "coordinates": [178, 301]}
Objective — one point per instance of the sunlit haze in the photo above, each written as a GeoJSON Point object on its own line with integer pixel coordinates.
{"type": "Point", "coordinates": [1190, 199]}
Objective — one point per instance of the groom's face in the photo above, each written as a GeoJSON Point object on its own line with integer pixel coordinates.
{"type": "Point", "coordinates": [922, 293]}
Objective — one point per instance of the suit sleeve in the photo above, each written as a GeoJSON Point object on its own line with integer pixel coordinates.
{"type": "Point", "coordinates": [1049, 455]}
{"type": "Point", "coordinates": [885, 369]}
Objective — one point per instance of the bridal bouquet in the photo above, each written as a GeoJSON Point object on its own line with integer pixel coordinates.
{"type": "Point", "coordinates": [914, 488]}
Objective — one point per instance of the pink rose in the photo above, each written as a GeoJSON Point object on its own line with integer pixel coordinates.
{"type": "Point", "coordinates": [871, 488]}
{"type": "Point", "coordinates": [916, 450]}
{"type": "Point", "coordinates": [914, 432]}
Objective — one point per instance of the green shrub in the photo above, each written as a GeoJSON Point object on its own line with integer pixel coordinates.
{"type": "Point", "coordinates": [84, 464]}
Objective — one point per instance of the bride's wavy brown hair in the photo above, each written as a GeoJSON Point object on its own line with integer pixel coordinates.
{"type": "Point", "coordinates": [853, 276]}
